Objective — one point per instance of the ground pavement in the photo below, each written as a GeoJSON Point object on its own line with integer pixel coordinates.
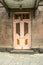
{"type": "Point", "coordinates": [20, 59]}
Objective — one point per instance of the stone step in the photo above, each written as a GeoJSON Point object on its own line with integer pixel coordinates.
{"type": "Point", "coordinates": [22, 51]}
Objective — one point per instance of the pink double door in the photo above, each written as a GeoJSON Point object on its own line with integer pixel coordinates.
{"type": "Point", "coordinates": [22, 34]}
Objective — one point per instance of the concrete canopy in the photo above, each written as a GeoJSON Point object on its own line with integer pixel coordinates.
{"type": "Point", "coordinates": [22, 3]}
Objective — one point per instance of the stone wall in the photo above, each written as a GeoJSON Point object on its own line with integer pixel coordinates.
{"type": "Point", "coordinates": [5, 29]}
{"type": "Point", "coordinates": [37, 30]}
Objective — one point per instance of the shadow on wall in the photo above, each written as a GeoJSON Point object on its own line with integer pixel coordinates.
{"type": "Point", "coordinates": [5, 28]}
{"type": "Point", "coordinates": [37, 30]}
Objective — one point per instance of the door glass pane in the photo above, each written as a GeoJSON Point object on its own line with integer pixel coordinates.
{"type": "Point", "coordinates": [17, 16]}
{"type": "Point", "coordinates": [25, 28]}
{"type": "Point", "coordinates": [18, 41]}
{"type": "Point", "coordinates": [22, 16]}
{"type": "Point", "coordinates": [18, 28]}
{"type": "Point", "coordinates": [26, 41]}
{"type": "Point", "coordinates": [25, 16]}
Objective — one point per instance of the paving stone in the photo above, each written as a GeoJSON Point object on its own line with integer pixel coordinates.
{"type": "Point", "coordinates": [20, 59]}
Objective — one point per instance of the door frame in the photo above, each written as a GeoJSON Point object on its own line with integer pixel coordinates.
{"type": "Point", "coordinates": [13, 27]}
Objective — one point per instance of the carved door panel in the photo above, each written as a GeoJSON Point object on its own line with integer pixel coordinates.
{"type": "Point", "coordinates": [22, 38]}
{"type": "Point", "coordinates": [27, 34]}
{"type": "Point", "coordinates": [17, 40]}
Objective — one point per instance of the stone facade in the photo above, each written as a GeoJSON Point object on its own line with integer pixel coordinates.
{"type": "Point", "coordinates": [6, 30]}
{"type": "Point", "coordinates": [37, 30]}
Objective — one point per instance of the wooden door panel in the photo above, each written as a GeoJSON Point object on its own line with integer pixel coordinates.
{"type": "Point", "coordinates": [22, 38]}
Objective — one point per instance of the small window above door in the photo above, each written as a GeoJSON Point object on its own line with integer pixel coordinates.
{"type": "Point", "coordinates": [22, 16]}
{"type": "Point", "coordinates": [25, 16]}
{"type": "Point", "coordinates": [17, 16]}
